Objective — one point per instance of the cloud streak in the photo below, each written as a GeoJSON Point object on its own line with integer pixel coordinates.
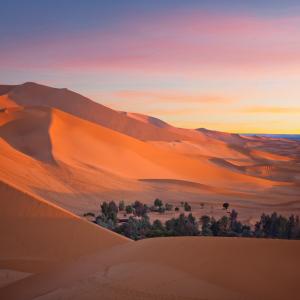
{"type": "Point", "coordinates": [185, 42]}
{"type": "Point", "coordinates": [271, 110]}
{"type": "Point", "coordinates": [171, 97]}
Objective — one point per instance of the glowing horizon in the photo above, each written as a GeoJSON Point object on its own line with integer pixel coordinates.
{"type": "Point", "coordinates": [233, 67]}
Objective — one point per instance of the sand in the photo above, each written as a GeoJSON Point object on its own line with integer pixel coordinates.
{"type": "Point", "coordinates": [173, 268]}
{"type": "Point", "coordinates": [35, 234]}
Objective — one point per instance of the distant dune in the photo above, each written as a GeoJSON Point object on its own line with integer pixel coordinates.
{"type": "Point", "coordinates": [32, 94]}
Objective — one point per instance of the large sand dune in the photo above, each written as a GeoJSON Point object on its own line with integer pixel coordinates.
{"type": "Point", "coordinates": [32, 94]}
{"type": "Point", "coordinates": [74, 152]}
{"type": "Point", "coordinates": [76, 163]}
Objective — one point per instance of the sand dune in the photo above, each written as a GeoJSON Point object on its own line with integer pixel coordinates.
{"type": "Point", "coordinates": [94, 153]}
{"type": "Point", "coordinates": [62, 137]}
{"type": "Point", "coordinates": [32, 94]}
{"type": "Point", "coordinates": [72, 161]}
{"type": "Point", "coordinates": [173, 268]}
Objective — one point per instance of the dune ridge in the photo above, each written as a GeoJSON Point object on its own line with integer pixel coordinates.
{"type": "Point", "coordinates": [32, 94]}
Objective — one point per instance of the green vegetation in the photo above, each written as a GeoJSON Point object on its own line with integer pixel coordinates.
{"type": "Point", "coordinates": [182, 226]}
{"type": "Point", "coordinates": [225, 205]}
{"type": "Point", "coordinates": [129, 209]}
{"type": "Point", "coordinates": [158, 202]}
{"type": "Point", "coordinates": [138, 226]}
{"type": "Point", "coordinates": [187, 207]}
{"type": "Point", "coordinates": [121, 205]}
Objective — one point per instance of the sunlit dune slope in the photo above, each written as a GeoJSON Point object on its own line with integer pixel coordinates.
{"type": "Point", "coordinates": [173, 268]}
{"type": "Point", "coordinates": [53, 137]}
{"type": "Point", "coordinates": [35, 235]}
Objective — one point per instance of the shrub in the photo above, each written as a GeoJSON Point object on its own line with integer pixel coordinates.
{"type": "Point", "coordinates": [187, 207]}
{"type": "Point", "coordinates": [109, 212]}
{"type": "Point", "coordinates": [129, 209]}
{"type": "Point", "coordinates": [182, 226]}
{"type": "Point", "coordinates": [157, 229]}
{"type": "Point", "coordinates": [168, 206]}
{"type": "Point", "coordinates": [135, 228]}
{"type": "Point", "coordinates": [205, 229]}
{"type": "Point", "coordinates": [158, 202]}
{"type": "Point", "coordinates": [140, 209]}
{"type": "Point", "coordinates": [121, 205]}
{"type": "Point", "coordinates": [225, 205]}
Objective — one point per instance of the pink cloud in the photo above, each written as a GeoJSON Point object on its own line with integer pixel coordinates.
{"type": "Point", "coordinates": [171, 96]}
{"type": "Point", "coordinates": [183, 43]}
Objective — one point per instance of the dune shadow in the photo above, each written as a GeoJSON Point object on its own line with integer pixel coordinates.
{"type": "Point", "coordinates": [29, 133]}
{"type": "Point", "coordinates": [4, 89]}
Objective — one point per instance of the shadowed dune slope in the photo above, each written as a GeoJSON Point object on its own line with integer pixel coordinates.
{"type": "Point", "coordinates": [173, 268]}
{"type": "Point", "coordinates": [27, 132]}
{"type": "Point", "coordinates": [6, 88]}
{"type": "Point", "coordinates": [34, 234]}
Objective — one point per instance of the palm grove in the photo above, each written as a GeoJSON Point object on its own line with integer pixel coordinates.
{"type": "Point", "coordinates": [138, 226]}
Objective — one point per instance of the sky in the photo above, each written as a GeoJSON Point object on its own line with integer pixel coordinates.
{"type": "Point", "coordinates": [225, 65]}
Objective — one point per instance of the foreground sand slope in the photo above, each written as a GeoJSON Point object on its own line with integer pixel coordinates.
{"type": "Point", "coordinates": [173, 268]}
{"type": "Point", "coordinates": [35, 235]}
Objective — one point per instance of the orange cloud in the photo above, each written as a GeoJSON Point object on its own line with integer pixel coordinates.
{"type": "Point", "coordinates": [272, 110]}
{"type": "Point", "coordinates": [171, 96]}
{"type": "Point", "coordinates": [180, 112]}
